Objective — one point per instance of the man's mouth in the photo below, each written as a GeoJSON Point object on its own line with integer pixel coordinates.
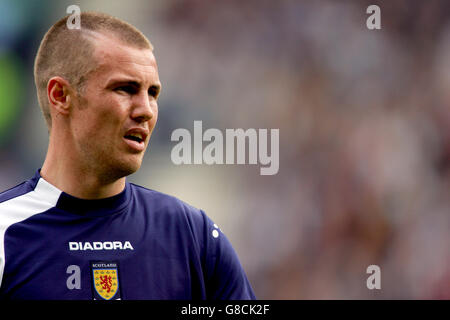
{"type": "Point", "coordinates": [138, 137]}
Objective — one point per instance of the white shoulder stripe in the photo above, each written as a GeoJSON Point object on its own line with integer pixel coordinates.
{"type": "Point", "coordinates": [43, 197]}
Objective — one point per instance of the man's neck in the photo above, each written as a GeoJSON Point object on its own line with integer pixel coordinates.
{"type": "Point", "coordinates": [79, 182]}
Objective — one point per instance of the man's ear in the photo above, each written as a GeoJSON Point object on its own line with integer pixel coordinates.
{"type": "Point", "coordinates": [59, 94]}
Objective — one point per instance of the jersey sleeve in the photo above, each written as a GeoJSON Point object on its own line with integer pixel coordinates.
{"type": "Point", "coordinates": [225, 277]}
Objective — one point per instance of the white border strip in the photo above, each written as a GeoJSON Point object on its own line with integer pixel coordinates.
{"type": "Point", "coordinates": [43, 197]}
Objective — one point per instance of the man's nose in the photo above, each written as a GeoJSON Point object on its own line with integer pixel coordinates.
{"type": "Point", "coordinates": [143, 107]}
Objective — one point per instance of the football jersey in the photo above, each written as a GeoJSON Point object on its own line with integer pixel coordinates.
{"type": "Point", "coordinates": [139, 244]}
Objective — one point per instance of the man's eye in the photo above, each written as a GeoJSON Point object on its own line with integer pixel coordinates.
{"type": "Point", "coordinates": [153, 92]}
{"type": "Point", "coordinates": [127, 89]}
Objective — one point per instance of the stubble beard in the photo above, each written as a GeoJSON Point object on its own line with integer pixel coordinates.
{"type": "Point", "coordinates": [108, 165]}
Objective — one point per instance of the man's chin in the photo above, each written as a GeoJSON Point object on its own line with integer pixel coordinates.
{"type": "Point", "coordinates": [130, 168]}
{"type": "Point", "coordinates": [123, 169]}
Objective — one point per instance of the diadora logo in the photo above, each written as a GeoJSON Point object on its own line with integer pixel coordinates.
{"type": "Point", "coordinates": [99, 245]}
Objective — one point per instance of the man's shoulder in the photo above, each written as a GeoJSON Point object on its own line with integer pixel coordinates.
{"type": "Point", "coordinates": [162, 200]}
{"type": "Point", "coordinates": [168, 209]}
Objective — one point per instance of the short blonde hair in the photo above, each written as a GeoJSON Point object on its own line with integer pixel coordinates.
{"type": "Point", "coordinates": [69, 53]}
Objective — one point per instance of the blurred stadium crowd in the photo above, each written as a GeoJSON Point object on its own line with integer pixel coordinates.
{"type": "Point", "coordinates": [364, 119]}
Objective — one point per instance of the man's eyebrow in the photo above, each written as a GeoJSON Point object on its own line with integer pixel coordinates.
{"type": "Point", "coordinates": [134, 83]}
{"type": "Point", "coordinates": [156, 86]}
{"type": "Point", "coordinates": [114, 82]}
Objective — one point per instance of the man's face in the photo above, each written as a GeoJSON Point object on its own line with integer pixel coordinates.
{"type": "Point", "coordinates": [112, 121]}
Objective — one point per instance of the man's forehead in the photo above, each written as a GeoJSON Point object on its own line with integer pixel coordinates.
{"type": "Point", "coordinates": [125, 57]}
{"type": "Point", "coordinates": [110, 47]}
{"type": "Point", "coordinates": [114, 57]}
{"type": "Point", "coordinates": [106, 38]}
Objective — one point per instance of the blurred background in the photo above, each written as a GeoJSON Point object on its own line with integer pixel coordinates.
{"type": "Point", "coordinates": [364, 120]}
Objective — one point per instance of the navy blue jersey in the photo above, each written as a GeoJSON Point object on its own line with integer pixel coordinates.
{"type": "Point", "coordinates": [139, 244]}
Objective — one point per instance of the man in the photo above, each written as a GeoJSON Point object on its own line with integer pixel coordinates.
{"type": "Point", "coordinates": [78, 229]}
